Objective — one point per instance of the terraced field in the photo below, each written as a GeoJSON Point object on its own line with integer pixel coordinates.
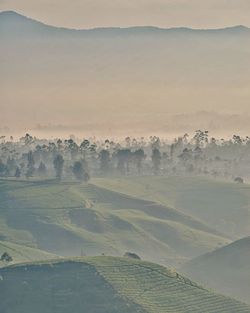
{"type": "Point", "coordinates": [105, 285]}
{"type": "Point", "coordinates": [73, 219]}
{"type": "Point", "coordinates": [22, 253]}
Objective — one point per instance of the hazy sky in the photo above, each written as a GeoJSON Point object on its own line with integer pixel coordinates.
{"type": "Point", "coordinates": [164, 13]}
{"type": "Point", "coordinates": [126, 85]}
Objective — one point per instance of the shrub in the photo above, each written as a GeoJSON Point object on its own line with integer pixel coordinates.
{"type": "Point", "coordinates": [132, 255]}
{"type": "Point", "coordinates": [239, 180]}
{"type": "Point", "coordinates": [6, 257]}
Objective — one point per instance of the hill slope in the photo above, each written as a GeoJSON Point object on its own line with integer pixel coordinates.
{"type": "Point", "coordinates": [20, 253]}
{"type": "Point", "coordinates": [105, 285]}
{"type": "Point", "coordinates": [227, 269]}
{"type": "Point", "coordinates": [73, 219]}
{"type": "Point", "coordinates": [224, 205]}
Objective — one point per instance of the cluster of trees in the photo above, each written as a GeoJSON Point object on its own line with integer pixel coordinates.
{"type": "Point", "coordinates": [5, 257]}
{"type": "Point", "coordinates": [71, 158]}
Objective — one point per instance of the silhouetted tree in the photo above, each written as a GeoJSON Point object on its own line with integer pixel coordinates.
{"type": "Point", "coordinates": [30, 165]}
{"type": "Point", "coordinates": [58, 166]}
{"type": "Point", "coordinates": [72, 147]}
{"type": "Point", "coordinates": [197, 153]}
{"type": "Point", "coordinates": [78, 170]}
{"type": "Point", "coordinates": [124, 157]}
{"type": "Point", "coordinates": [3, 169]}
{"type": "Point", "coordinates": [201, 138]}
{"type": "Point", "coordinates": [186, 155]}
{"type": "Point", "coordinates": [11, 164]}
{"type": "Point", "coordinates": [237, 140]}
{"type": "Point", "coordinates": [139, 156]}
{"type": "Point", "coordinates": [59, 144]}
{"type": "Point", "coordinates": [27, 139]}
{"type": "Point", "coordinates": [104, 157]}
{"type": "Point", "coordinates": [84, 146]}
{"type": "Point", "coordinates": [18, 172]}
{"type": "Point", "coordinates": [172, 151]}
{"type": "Point", "coordinates": [92, 151]}
{"type": "Point", "coordinates": [156, 159]}
{"type": "Point", "coordinates": [42, 169]}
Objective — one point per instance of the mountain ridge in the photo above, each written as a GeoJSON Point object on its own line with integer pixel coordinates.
{"type": "Point", "coordinates": [14, 14]}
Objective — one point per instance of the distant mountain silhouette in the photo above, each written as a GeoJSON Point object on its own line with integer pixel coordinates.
{"type": "Point", "coordinates": [13, 19]}
{"type": "Point", "coordinates": [125, 73]}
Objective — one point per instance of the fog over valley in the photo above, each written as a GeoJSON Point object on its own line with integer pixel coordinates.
{"type": "Point", "coordinates": [123, 74]}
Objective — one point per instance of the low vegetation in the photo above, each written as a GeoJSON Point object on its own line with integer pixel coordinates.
{"type": "Point", "coordinates": [219, 203]}
{"type": "Point", "coordinates": [74, 218]}
{"type": "Point", "coordinates": [11, 253]}
{"type": "Point", "coordinates": [105, 285]}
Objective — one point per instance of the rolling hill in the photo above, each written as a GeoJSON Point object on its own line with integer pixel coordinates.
{"type": "Point", "coordinates": [105, 285]}
{"type": "Point", "coordinates": [119, 72]}
{"type": "Point", "coordinates": [226, 270]}
{"type": "Point", "coordinates": [20, 253]}
{"type": "Point", "coordinates": [73, 219]}
{"type": "Point", "coordinates": [224, 205]}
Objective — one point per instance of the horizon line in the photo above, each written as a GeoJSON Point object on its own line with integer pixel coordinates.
{"type": "Point", "coordinates": [125, 27]}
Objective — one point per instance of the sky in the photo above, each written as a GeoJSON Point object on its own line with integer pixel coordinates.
{"type": "Point", "coordinates": [162, 13]}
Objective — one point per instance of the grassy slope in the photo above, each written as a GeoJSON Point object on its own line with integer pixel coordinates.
{"type": "Point", "coordinates": [22, 253]}
{"type": "Point", "coordinates": [224, 205]}
{"type": "Point", "coordinates": [226, 269]}
{"type": "Point", "coordinates": [69, 217]}
{"type": "Point", "coordinates": [105, 285]}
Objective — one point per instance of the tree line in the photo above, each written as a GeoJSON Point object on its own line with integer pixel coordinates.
{"type": "Point", "coordinates": [199, 154]}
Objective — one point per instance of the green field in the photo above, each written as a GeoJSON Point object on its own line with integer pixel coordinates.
{"type": "Point", "coordinates": [165, 220]}
{"type": "Point", "coordinates": [224, 205]}
{"type": "Point", "coordinates": [73, 219]}
{"type": "Point", "coordinates": [22, 253]}
{"type": "Point", "coordinates": [105, 285]}
{"type": "Point", "coordinates": [226, 270]}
